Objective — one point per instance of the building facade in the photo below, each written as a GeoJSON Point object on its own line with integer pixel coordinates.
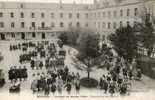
{"type": "Point", "coordinates": [19, 20]}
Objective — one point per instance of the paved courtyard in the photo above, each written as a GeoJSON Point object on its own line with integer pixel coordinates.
{"type": "Point", "coordinates": [139, 88]}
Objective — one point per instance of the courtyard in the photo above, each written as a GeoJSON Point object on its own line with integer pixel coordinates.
{"type": "Point", "coordinates": [11, 58]}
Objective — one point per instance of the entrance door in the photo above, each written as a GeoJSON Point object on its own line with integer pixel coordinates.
{"type": "Point", "coordinates": [23, 35]}
{"type": "Point", "coordinates": [33, 34]}
{"type": "Point", "coordinates": [43, 35]}
{"type": "Point", "coordinates": [2, 36]}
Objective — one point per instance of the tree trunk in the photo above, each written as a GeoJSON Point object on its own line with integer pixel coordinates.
{"type": "Point", "coordinates": [88, 74]}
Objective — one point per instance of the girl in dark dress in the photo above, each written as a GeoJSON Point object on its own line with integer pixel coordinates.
{"type": "Point", "coordinates": [112, 89]}
{"type": "Point", "coordinates": [68, 87]}
{"type": "Point", "coordinates": [24, 70]}
{"type": "Point", "coordinates": [77, 86]}
{"type": "Point", "coordinates": [47, 90]}
{"type": "Point", "coordinates": [53, 88]}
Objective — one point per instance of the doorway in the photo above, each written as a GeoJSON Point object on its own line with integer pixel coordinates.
{"type": "Point", "coordinates": [2, 36]}
{"type": "Point", "coordinates": [23, 35]}
{"type": "Point", "coordinates": [43, 35]}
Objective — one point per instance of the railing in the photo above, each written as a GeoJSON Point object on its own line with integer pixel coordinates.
{"type": "Point", "coordinates": [40, 28]}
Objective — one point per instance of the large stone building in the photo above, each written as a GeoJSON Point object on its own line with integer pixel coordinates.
{"type": "Point", "coordinates": [25, 20]}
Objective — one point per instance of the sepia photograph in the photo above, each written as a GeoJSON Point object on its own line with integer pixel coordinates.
{"type": "Point", "coordinates": [77, 49]}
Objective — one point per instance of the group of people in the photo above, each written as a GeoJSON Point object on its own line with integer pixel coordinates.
{"type": "Point", "coordinates": [2, 79]}
{"type": "Point", "coordinates": [58, 77]}
{"type": "Point", "coordinates": [19, 73]}
{"type": "Point", "coordinates": [120, 76]}
{"type": "Point", "coordinates": [21, 46]}
{"type": "Point", "coordinates": [114, 84]}
{"type": "Point", "coordinates": [54, 81]}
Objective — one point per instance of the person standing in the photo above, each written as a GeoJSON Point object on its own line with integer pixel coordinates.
{"type": "Point", "coordinates": [77, 85]}
{"type": "Point", "coordinates": [60, 85]}
{"type": "Point", "coordinates": [53, 88]}
{"type": "Point", "coordinates": [47, 90]}
{"type": "Point", "coordinates": [68, 87]}
{"type": "Point", "coordinates": [24, 70]}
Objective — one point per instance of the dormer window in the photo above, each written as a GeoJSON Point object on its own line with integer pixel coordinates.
{"type": "Point", "coordinates": [21, 6]}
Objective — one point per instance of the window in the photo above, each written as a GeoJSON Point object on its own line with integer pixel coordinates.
{"type": "Point", "coordinates": [52, 24]}
{"type": "Point", "coordinates": [21, 6]}
{"type": "Point", "coordinates": [1, 25]}
{"type": "Point", "coordinates": [33, 34]}
{"type": "Point", "coordinates": [12, 24]}
{"type": "Point", "coordinates": [115, 14]}
{"type": "Point", "coordinates": [95, 24]}
{"type": "Point", "coordinates": [86, 24]}
{"type": "Point", "coordinates": [128, 23]}
{"type": "Point", "coordinates": [86, 15]}
{"type": "Point", "coordinates": [11, 14]}
{"type": "Point", "coordinates": [78, 15]}
{"type": "Point", "coordinates": [43, 35]}
{"type": "Point", "coordinates": [135, 23]}
{"type": "Point", "coordinates": [94, 15]}
{"type": "Point", "coordinates": [98, 24]}
{"type": "Point", "coordinates": [33, 24]}
{"type": "Point", "coordinates": [70, 15]}
{"type": "Point", "coordinates": [103, 14]}
{"type": "Point", "coordinates": [114, 25]}
{"type": "Point", "coordinates": [33, 15]}
{"type": "Point", "coordinates": [12, 34]}
{"type": "Point", "coordinates": [61, 24]}
{"type": "Point", "coordinates": [109, 14]}
{"type": "Point", "coordinates": [42, 15]}
{"type": "Point", "coordinates": [103, 24]}
{"type": "Point", "coordinates": [136, 11]}
{"type": "Point", "coordinates": [43, 24]}
{"type": "Point", "coordinates": [22, 24]}
{"type": "Point", "coordinates": [99, 14]}
{"type": "Point", "coordinates": [128, 12]}
{"type": "Point", "coordinates": [1, 14]}
{"type": "Point", "coordinates": [70, 24]}
{"type": "Point", "coordinates": [61, 15]}
{"type": "Point", "coordinates": [22, 15]}
{"type": "Point", "coordinates": [109, 25]}
{"type": "Point", "coordinates": [78, 24]}
{"type": "Point", "coordinates": [121, 13]}
{"type": "Point", "coordinates": [52, 15]}
{"type": "Point", "coordinates": [121, 24]}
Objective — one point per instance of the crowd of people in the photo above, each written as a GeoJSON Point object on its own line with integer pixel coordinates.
{"type": "Point", "coordinates": [53, 81]}
{"type": "Point", "coordinates": [19, 73]}
{"type": "Point", "coordinates": [40, 56]}
{"type": "Point", "coordinates": [120, 76]}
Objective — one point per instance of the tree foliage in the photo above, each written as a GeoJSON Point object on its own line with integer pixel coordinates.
{"type": "Point", "coordinates": [73, 36]}
{"type": "Point", "coordinates": [125, 42]}
{"type": "Point", "coordinates": [63, 37]}
{"type": "Point", "coordinates": [70, 36]}
{"type": "Point", "coordinates": [88, 47]}
{"type": "Point", "coordinates": [147, 35]}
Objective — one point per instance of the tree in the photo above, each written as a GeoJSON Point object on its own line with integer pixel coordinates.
{"type": "Point", "coordinates": [1, 57]}
{"type": "Point", "coordinates": [73, 35]}
{"type": "Point", "coordinates": [70, 36]}
{"type": "Point", "coordinates": [63, 37]}
{"type": "Point", "coordinates": [125, 42]}
{"type": "Point", "coordinates": [147, 35]}
{"type": "Point", "coordinates": [88, 47]}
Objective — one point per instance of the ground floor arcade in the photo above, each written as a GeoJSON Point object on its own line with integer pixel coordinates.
{"type": "Point", "coordinates": [27, 35]}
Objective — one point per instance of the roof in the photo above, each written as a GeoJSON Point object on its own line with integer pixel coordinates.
{"type": "Point", "coordinates": [41, 5]}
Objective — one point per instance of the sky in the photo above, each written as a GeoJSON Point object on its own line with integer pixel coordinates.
{"type": "Point", "coordinates": [55, 1]}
